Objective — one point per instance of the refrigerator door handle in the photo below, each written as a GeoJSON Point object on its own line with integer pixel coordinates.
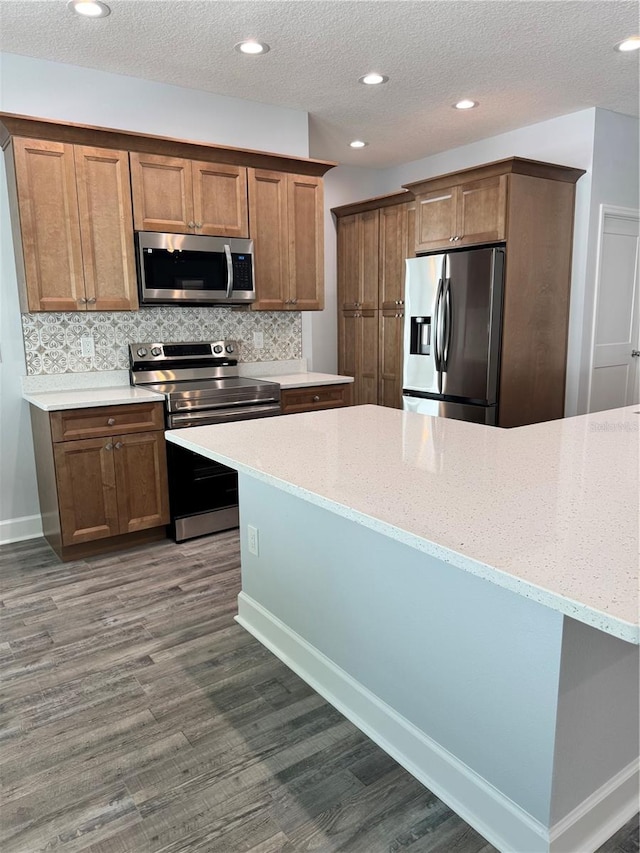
{"type": "Point", "coordinates": [447, 323]}
{"type": "Point", "coordinates": [436, 330]}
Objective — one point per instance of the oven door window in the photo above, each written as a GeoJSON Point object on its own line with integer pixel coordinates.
{"type": "Point", "coordinates": [197, 484]}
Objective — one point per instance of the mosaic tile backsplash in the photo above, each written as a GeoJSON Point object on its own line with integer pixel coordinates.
{"type": "Point", "coordinates": [52, 341]}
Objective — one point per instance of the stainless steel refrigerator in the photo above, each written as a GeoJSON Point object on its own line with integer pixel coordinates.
{"type": "Point", "coordinates": [453, 312]}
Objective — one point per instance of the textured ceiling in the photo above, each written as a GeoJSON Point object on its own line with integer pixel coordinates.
{"type": "Point", "coordinates": [524, 60]}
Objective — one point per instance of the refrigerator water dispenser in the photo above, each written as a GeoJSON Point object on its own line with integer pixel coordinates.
{"type": "Point", "coordinates": [420, 336]}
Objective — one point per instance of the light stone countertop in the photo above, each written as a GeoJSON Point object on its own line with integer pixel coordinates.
{"type": "Point", "coordinates": [86, 398]}
{"type": "Point", "coordinates": [549, 511]}
{"type": "Point", "coordinates": [306, 380]}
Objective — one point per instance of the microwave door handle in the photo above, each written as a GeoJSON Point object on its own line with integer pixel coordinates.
{"type": "Point", "coordinates": [227, 251]}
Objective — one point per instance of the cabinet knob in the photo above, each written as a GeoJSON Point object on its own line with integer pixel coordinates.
{"type": "Point", "coordinates": [191, 224]}
{"type": "Point", "coordinates": [92, 300]}
{"type": "Point", "coordinates": [111, 421]}
{"type": "Point", "coordinates": [451, 239]}
{"type": "Point", "coordinates": [316, 399]}
{"type": "Point", "coordinates": [294, 301]}
{"type": "Point", "coordinates": [83, 300]}
{"type": "Point", "coordinates": [108, 446]}
{"type": "Point", "coordinates": [198, 224]}
{"type": "Point", "coordinates": [118, 445]}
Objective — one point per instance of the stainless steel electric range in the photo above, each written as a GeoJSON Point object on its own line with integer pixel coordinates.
{"type": "Point", "coordinates": [201, 386]}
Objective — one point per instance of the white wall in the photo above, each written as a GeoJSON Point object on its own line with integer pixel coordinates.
{"type": "Point", "coordinates": [616, 181]}
{"type": "Point", "coordinates": [68, 93]}
{"type": "Point", "coordinates": [320, 330]}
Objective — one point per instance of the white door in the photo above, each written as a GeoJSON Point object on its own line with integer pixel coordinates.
{"type": "Point", "coordinates": [615, 375]}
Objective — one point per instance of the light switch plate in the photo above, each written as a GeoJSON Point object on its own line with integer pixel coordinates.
{"type": "Point", "coordinates": [258, 340]}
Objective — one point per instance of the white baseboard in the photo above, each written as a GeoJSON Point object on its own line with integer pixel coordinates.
{"type": "Point", "coordinates": [490, 812]}
{"type": "Point", "coordinates": [18, 529]}
{"type": "Point", "coordinates": [597, 818]}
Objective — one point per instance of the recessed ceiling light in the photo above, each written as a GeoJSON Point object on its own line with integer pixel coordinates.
{"type": "Point", "coordinates": [89, 8]}
{"type": "Point", "coordinates": [373, 79]}
{"type": "Point", "coordinates": [629, 44]}
{"type": "Point", "coordinates": [465, 104]}
{"type": "Point", "coordinates": [252, 47]}
{"type": "Point", "coordinates": [358, 143]}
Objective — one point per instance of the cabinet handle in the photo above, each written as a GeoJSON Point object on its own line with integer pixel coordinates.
{"type": "Point", "coordinates": [108, 446]}
{"type": "Point", "coordinates": [83, 300]}
{"type": "Point", "coordinates": [92, 300]}
{"type": "Point", "coordinates": [294, 301]}
{"type": "Point", "coordinates": [451, 239]}
{"type": "Point", "coordinates": [316, 399]}
{"type": "Point", "coordinates": [118, 445]}
{"type": "Point", "coordinates": [198, 224]}
{"type": "Point", "coordinates": [191, 224]}
{"type": "Point", "coordinates": [111, 421]}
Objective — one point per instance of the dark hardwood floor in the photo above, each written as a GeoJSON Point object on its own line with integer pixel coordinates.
{"type": "Point", "coordinates": [138, 717]}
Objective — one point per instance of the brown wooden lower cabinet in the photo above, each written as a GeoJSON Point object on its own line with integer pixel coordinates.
{"type": "Point", "coordinates": [358, 353]}
{"type": "Point", "coordinates": [390, 359]}
{"type": "Point", "coordinates": [105, 491]}
{"type": "Point", "coordinates": [312, 398]}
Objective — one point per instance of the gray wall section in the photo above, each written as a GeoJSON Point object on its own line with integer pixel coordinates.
{"type": "Point", "coordinates": [598, 706]}
{"type": "Point", "coordinates": [474, 666]}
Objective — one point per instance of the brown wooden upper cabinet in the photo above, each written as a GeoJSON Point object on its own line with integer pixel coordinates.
{"type": "Point", "coordinates": [358, 243]}
{"type": "Point", "coordinates": [188, 197]}
{"type": "Point", "coordinates": [286, 214]}
{"type": "Point", "coordinates": [73, 227]}
{"type": "Point", "coordinates": [461, 215]}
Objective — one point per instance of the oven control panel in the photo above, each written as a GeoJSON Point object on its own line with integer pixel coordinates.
{"type": "Point", "coordinates": [207, 352]}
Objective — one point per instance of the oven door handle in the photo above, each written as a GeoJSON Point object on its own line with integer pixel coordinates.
{"type": "Point", "coordinates": [213, 417]}
{"type": "Point", "coordinates": [227, 251]}
{"type": "Point", "coordinates": [211, 407]}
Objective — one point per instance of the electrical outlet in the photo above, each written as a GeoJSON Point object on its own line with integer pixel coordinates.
{"type": "Point", "coordinates": [258, 340]}
{"type": "Point", "coordinates": [253, 541]}
{"type": "Point", "coordinates": [87, 347]}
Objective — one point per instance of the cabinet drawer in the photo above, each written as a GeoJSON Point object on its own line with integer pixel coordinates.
{"type": "Point", "coordinates": [106, 420]}
{"type": "Point", "coordinates": [316, 397]}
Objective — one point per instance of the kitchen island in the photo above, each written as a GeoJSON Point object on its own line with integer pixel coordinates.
{"type": "Point", "coordinates": [467, 596]}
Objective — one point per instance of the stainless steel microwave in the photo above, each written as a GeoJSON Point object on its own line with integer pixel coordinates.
{"type": "Point", "coordinates": [193, 269]}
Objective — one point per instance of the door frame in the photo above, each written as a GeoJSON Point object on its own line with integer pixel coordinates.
{"type": "Point", "coordinates": [614, 211]}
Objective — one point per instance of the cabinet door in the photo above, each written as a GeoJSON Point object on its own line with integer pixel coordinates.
{"type": "Point", "coordinates": [481, 211]}
{"type": "Point", "coordinates": [390, 367]}
{"type": "Point", "coordinates": [141, 477]}
{"type": "Point", "coordinates": [410, 230]}
{"type": "Point", "coordinates": [306, 242]}
{"type": "Point", "coordinates": [393, 226]}
{"type": "Point", "coordinates": [367, 378]}
{"type": "Point", "coordinates": [106, 228]}
{"type": "Point", "coordinates": [348, 262]}
{"type": "Point", "coordinates": [48, 208]}
{"type": "Point", "coordinates": [162, 190]}
{"type": "Point", "coordinates": [347, 344]}
{"type": "Point", "coordinates": [358, 353]}
{"type": "Point", "coordinates": [85, 476]}
{"type": "Point", "coordinates": [220, 199]}
{"type": "Point", "coordinates": [369, 242]}
{"type": "Point", "coordinates": [435, 219]}
{"type": "Point", "coordinates": [269, 231]}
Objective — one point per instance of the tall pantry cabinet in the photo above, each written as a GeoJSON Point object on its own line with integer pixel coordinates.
{"type": "Point", "coordinates": [374, 238]}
